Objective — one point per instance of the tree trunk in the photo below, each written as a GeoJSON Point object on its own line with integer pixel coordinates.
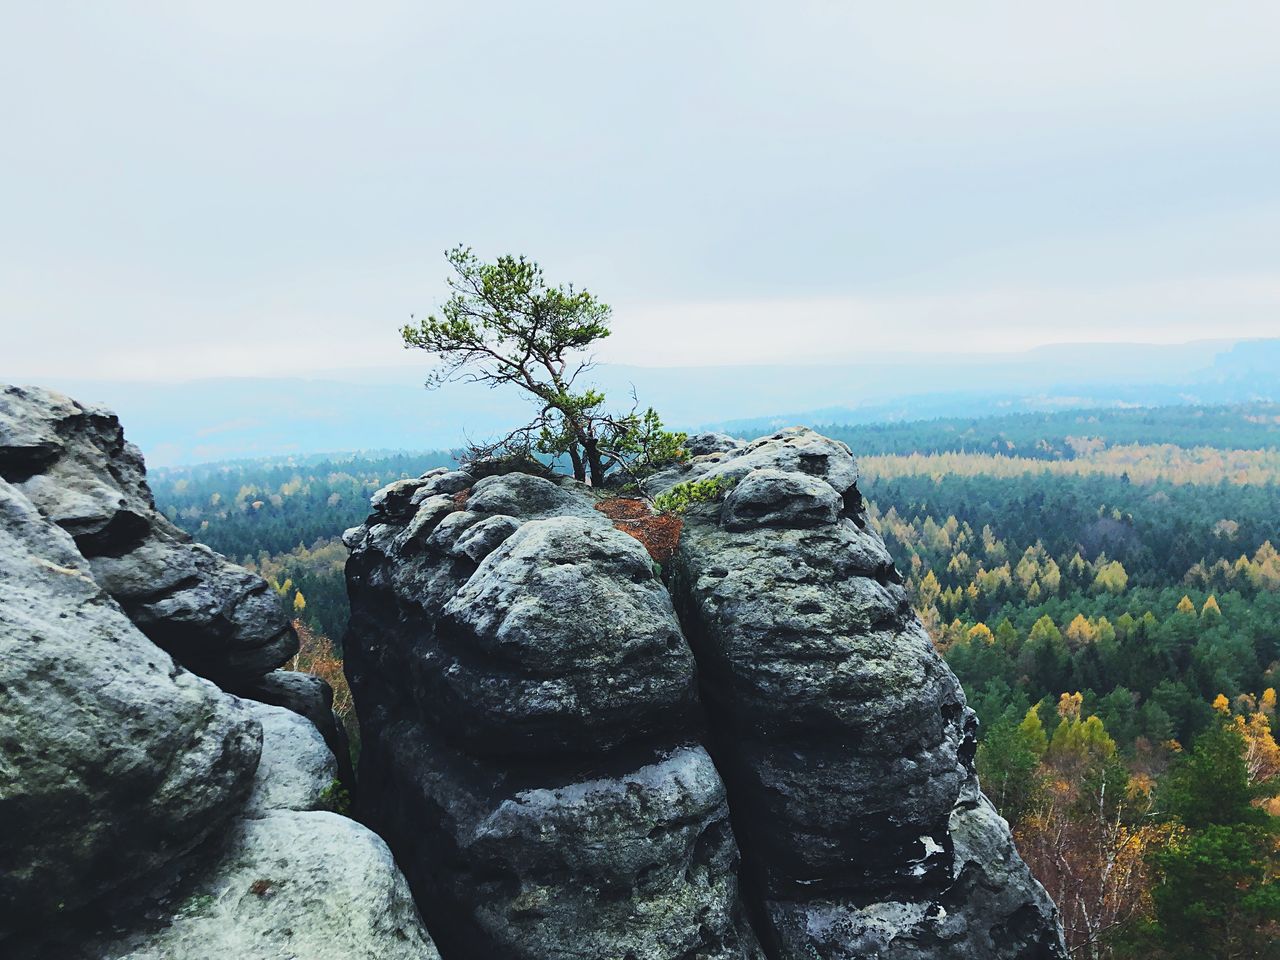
{"type": "Point", "coordinates": [579, 471]}
{"type": "Point", "coordinates": [594, 461]}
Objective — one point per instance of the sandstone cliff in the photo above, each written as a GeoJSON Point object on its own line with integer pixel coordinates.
{"type": "Point", "coordinates": [751, 752]}
{"type": "Point", "coordinates": [754, 752]}
{"type": "Point", "coordinates": [148, 811]}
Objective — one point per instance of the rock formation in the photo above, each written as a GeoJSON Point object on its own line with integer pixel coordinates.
{"type": "Point", "coordinates": [147, 812]}
{"type": "Point", "coordinates": [566, 768]}
{"type": "Point", "coordinates": [532, 741]}
{"type": "Point", "coordinates": [73, 463]}
{"type": "Point", "coordinates": [844, 739]}
{"type": "Point", "coordinates": [751, 752]}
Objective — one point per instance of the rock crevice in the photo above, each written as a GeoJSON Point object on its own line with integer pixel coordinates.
{"type": "Point", "coordinates": [149, 812]}
{"type": "Point", "coordinates": [566, 767]}
{"type": "Point", "coordinates": [532, 744]}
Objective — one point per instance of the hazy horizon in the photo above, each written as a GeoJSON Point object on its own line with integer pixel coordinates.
{"type": "Point", "coordinates": [267, 191]}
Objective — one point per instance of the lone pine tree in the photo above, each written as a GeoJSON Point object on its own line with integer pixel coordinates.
{"type": "Point", "coordinates": [504, 324]}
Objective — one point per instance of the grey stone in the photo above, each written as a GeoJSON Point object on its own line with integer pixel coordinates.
{"type": "Point", "coordinates": [991, 908]}
{"type": "Point", "coordinates": [585, 648]}
{"type": "Point", "coordinates": [311, 886]}
{"type": "Point", "coordinates": [481, 539]}
{"type": "Point", "coordinates": [767, 497]}
{"type": "Point", "coordinates": [450, 482]}
{"type": "Point", "coordinates": [844, 739]}
{"type": "Point", "coordinates": [113, 761]}
{"type": "Point", "coordinates": [395, 500]}
{"type": "Point", "coordinates": [225, 624]}
{"type": "Point", "coordinates": [793, 450]}
{"type": "Point", "coordinates": [74, 464]}
{"type": "Point", "coordinates": [527, 497]}
{"type": "Point", "coordinates": [297, 770]}
{"type": "Point", "coordinates": [640, 863]}
{"type": "Point", "coordinates": [312, 698]}
{"type": "Point", "coordinates": [534, 747]}
{"type": "Point", "coordinates": [526, 725]}
{"type": "Point", "coordinates": [702, 444]}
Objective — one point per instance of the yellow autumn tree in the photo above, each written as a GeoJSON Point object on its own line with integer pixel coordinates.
{"type": "Point", "coordinates": [1262, 753]}
{"type": "Point", "coordinates": [1070, 704]}
{"type": "Point", "coordinates": [299, 603]}
{"type": "Point", "coordinates": [1080, 632]}
{"type": "Point", "coordinates": [982, 633]}
{"type": "Point", "coordinates": [1112, 578]}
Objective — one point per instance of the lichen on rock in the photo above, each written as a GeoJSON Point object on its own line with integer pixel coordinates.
{"type": "Point", "coordinates": [536, 720]}
{"type": "Point", "coordinates": [146, 812]}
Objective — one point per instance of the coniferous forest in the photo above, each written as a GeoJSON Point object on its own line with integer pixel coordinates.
{"type": "Point", "coordinates": [1106, 584]}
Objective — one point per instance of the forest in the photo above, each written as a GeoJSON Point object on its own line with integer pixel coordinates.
{"type": "Point", "coordinates": [1106, 585]}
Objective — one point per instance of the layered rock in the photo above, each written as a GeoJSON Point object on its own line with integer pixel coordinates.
{"type": "Point", "coordinates": [538, 756]}
{"type": "Point", "coordinates": [844, 739]}
{"type": "Point", "coordinates": [531, 734]}
{"type": "Point", "coordinates": [72, 462]}
{"type": "Point", "coordinates": [115, 761]}
{"type": "Point", "coordinates": [288, 878]}
{"type": "Point", "coordinates": [147, 813]}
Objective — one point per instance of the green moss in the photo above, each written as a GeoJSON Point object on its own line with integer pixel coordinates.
{"type": "Point", "coordinates": [336, 798]}
{"type": "Point", "coordinates": [683, 495]}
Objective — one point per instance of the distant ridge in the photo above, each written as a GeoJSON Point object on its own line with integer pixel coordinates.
{"type": "Point", "coordinates": [203, 420]}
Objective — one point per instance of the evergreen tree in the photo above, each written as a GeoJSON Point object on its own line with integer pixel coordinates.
{"type": "Point", "coordinates": [1218, 887]}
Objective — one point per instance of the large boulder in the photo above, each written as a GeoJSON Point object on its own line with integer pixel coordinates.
{"type": "Point", "coordinates": [307, 885]}
{"type": "Point", "coordinates": [530, 732]}
{"type": "Point", "coordinates": [297, 770]}
{"type": "Point", "coordinates": [113, 761]}
{"type": "Point", "coordinates": [147, 813]}
{"type": "Point", "coordinates": [311, 697]}
{"type": "Point", "coordinates": [564, 639]}
{"type": "Point", "coordinates": [289, 878]}
{"type": "Point", "coordinates": [72, 461]}
{"type": "Point", "coordinates": [845, 741]}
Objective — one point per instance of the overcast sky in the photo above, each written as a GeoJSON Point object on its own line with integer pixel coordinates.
{"type": "Point", "coordinates": [267, 187]}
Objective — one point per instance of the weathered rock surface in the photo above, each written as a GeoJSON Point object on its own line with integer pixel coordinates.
{"type": "Point", "coordinates": [73, 463]}
{"type": "Point", "coordinates": [307, 885]}
{"type": "Point", "coordinates": [537, 755]}
{"type": "Point", "coordinates": [113, 761]}
{"type": "Point", "coordinates": [297, 770]}
{"type": "Point", "coordinates": [288, 879]}
{"type": "Point", "coordinates": [844, 740]}
{"type": "Point", "coordinates": [312, 698]}
{"type": "Point", "coordinates": [530, 728]}
{"type": "Point", "coordinates": [146, 813]}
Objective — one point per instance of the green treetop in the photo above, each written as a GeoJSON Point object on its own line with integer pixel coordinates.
{"type": "Point", "coordinates": [503, 324]}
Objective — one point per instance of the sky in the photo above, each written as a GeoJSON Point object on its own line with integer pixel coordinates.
{"type": "Point", "coordinates": [259, 189]}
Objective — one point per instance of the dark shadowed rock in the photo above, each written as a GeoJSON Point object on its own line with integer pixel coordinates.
{"type": "Point", "coordinates": [844, 740]}
{"type": "Point", "coordinates": [767, 497]}
{"type": "Point", "coordinates": [73, 463]}
{"type": "Point", "coordinates": [312, 698]}
{"type": "Point", "coordinates": [529, 722]}
{"type": "Point", "coordinates": [113, 761]}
